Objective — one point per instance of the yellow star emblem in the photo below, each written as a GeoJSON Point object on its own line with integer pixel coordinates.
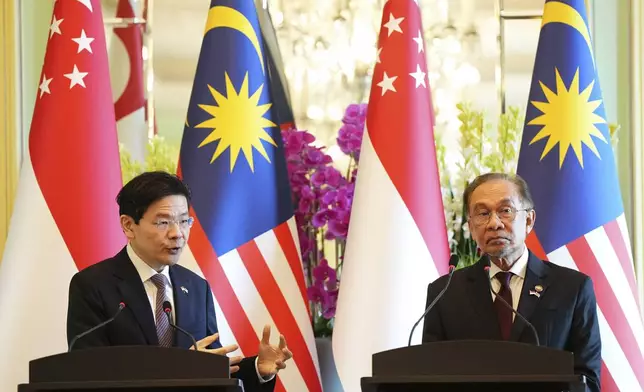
{"type": "Point", "coordinates": [568, 119]}
{"type": "Point", "coordinates": [238, 123]}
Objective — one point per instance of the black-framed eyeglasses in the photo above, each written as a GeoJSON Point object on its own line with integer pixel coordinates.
{"type": "Point", "coordinates": [506, 214]}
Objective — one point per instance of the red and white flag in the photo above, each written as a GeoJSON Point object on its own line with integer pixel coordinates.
{"type": "Point", "coordinates": [126, 73]}
{"type": "Point", "coordinates": [397, 240]}
{"type": "Point", "coordinates": [65, 216]}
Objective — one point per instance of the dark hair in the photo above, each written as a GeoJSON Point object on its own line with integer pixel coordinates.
{"type": "Point", "coordinates": [146, 188]}
{"type": "Point", "coordinates": [522, 186]}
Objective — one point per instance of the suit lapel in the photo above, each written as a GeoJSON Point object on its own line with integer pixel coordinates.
{"type": "Point", "coordinates": [481, 299]}
{"type": "Point", "coordinates": [536, 274]}
{"type": "Point", "coordinates": [184, 309]}
{"type": "Point", "coordinates": [181, 290]}
{"type": "Point", "coordinates": [134, 296]}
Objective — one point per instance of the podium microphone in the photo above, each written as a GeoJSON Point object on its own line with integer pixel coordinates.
{"type": "Point", "coordinates": [486, 262]}
{"type": "Point", "coordinates": [167, 308]}
{"type": "Point", "coordinates": [104, 323]}
{"type": "Point", "coordinates": [453, 262]}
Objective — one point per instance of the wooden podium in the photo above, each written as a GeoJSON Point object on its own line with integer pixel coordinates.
{"type": "Point", "coordinates": [131, 368]}
{"type": "Point", "coordinates": [468, 366]}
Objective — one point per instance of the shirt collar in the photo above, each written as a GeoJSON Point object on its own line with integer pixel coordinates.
{"type": "Point", "coordinates": [519, 268]}
{"type": "Point", "coordinates": [144, 270]}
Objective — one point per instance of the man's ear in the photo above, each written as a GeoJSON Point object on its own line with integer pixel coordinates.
{"type": "Point", "coordinates": [127, 224]}
{"type": "Point", "coordinates": [530, 219]}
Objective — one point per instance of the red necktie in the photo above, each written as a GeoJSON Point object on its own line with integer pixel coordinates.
{"type": "Point", "coordinates": [503, 313]}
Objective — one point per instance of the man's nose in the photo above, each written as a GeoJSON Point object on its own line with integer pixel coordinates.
{"type": "Point", "coordinates": [495, 223]}
{"type": "Point", "coordinates": [175, 231]}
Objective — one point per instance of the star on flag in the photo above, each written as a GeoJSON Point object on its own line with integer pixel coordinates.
{"type": "Point", "coordinates": [88, 4]}
{"type": "Point", "coordinates": [44, 86]}
{"type": "Point", "coordinates": [419, 76]}
{"type": "Point", "coordinates": [55, 26]}
{"type": "Point", "coordinates": [76, 77]}
{"type": "Point", "coordinates": [387, 83]}
{"type": "Point", "coordinates": [419, 41]}
{"type": "Point", "coordinates": [393, 25]}
{"type": "Point", "coordinates": [83, 42]}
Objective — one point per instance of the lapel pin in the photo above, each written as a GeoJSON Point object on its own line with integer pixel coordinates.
{"type": "Point", "coordinates": [185, 290]}
{"type": "Point", "coordinates": [538, 288]}
{"type": "Point", "coordinates": [535, 293]}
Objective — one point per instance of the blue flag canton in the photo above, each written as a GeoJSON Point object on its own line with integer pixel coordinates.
{"type": "Point", "coordinates": [566, 154]}
{"type": "Point", "coordinates": [232, 155]}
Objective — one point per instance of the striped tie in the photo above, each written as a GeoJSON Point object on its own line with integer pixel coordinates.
{"type": "Point", "coordinates": [164, 331]}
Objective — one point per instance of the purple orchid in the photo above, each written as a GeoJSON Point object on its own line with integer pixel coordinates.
{"type": "Point", "coordinates": [322, 198]}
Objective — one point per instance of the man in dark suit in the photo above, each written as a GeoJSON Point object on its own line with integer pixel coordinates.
{"type": "Point", "coordinates": [153, 210]}
{"type": "Point", "coordinates": [558, 301]}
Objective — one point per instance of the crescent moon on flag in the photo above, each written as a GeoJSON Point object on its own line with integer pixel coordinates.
{"type": "Point", "coordinates": [556, 12]}
{"type": "Point", "coordinates": [220, 16]}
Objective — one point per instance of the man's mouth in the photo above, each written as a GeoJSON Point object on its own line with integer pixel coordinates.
{"type": "Point", "coordinates": [497, 240]}
{"type": "Point", "coordinates": [174, 250]}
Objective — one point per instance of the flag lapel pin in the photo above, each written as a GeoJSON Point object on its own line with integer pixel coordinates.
{"type": "Point", "coordinates": [537, 291]}
{"type": "Point", "coordinates": [185, 290]}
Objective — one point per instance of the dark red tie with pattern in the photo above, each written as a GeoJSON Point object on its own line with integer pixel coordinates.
{"type": "Point", "coordinates": [503, 313]}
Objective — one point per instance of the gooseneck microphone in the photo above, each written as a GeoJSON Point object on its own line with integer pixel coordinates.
{"type": "Point", "coordinates": [453, 262]}
{"type": "Point", "coordinates": [104, 323]}
{"type": "Point", "coordinates": [167, 308]}
{"type": "Point", "coordinates": [486, 266]}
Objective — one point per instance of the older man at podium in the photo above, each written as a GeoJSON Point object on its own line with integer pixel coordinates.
{"type": "Point", "coordinates": [559, 302]}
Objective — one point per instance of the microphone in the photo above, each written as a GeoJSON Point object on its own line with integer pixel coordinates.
{"type": "Point", "coordinates": [104, 323]}
{"type": "Point", "coordinates": [167, 308]}
{"type": "Point", "coordinates": [486, 266]}
{"type": "Point", "coordinates": [453, 262]}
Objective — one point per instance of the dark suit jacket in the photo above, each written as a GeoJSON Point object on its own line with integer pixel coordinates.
{"type": "Point", "coordinates": [565, 316]}
{"type": "Point", "coordinates": [95, 294]}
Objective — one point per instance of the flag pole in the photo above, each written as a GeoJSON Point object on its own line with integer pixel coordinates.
{"type": "Point", "coordinates": [123, 22]}
{"type": "Point", "coordinates": [637, 123]}
{"type": "Point", "coordinates": [148, 66]}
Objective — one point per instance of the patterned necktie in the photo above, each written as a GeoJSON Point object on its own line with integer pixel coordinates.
{"type": "Point", "coordinates": [503, 313]}
{"type": "Point", "coordinates": [164, 331]}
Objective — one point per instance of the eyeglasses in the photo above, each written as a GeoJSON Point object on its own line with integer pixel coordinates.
{"type": "Point", "coordinates": [506, 214]}
{"type": "Point", "coordinates": [164, 224]}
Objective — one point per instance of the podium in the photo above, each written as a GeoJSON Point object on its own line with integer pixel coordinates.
{"type": "Point", "coordinates": [469, 366]}
{"type": "Point", "coordinates": [131, 368]}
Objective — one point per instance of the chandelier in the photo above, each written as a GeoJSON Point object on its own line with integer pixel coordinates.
{"type": "Point", "coordinates": [329, 50]}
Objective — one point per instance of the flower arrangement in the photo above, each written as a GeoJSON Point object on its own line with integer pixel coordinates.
{"type": "Point", "coordinates": [159, 156]}
{"type": "Point", "coordinates": [480, 150]}
{"type": "Point", "coordinates": [323, 196]}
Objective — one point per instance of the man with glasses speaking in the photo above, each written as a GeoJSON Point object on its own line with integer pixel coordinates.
{"type": "Point", "coordinates": [144, 275]}
{"type": "Point", "coordinates": [559, 302]}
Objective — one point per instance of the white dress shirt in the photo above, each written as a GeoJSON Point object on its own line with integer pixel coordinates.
{"type": "Point", "coordinates": [146, 272]}
{"type": "Point", "coordinates": [518, 270]}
